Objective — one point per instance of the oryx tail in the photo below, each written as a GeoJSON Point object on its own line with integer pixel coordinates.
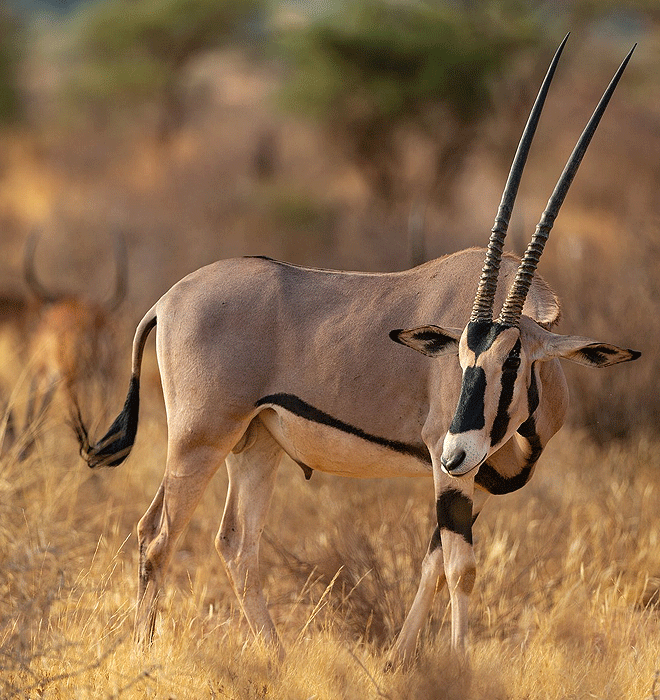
{"type": "Point", "coordinates": [113, 448]}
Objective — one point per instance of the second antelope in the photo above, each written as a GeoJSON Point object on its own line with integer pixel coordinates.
{"type": "Point", "coordinates": [70, 342]}
{"type": "Point", "coordinates": [260, 358]}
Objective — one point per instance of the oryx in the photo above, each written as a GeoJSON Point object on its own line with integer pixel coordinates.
{"type": "Point", "coordinates": [259, 358]}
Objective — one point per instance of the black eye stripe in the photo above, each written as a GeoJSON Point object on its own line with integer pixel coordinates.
{"type": "Point", "coordinates": [501, 422]}
{"type": "Point", "coordinates": [509, 376]}
{"type": "Point", "coordinates": [512, 362]}
{"type": "Point", "coordinates": [470, 410]}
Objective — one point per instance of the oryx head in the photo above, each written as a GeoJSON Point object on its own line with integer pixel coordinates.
{"type": "Point", "coordinates": [499, 358]}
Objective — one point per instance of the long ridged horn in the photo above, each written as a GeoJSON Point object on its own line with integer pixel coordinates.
{"type": "Point", "coordinates": [121, 274]}
{"type": "Point", "coordinates": [512, 308]}
{"type": "Point", "coordinates": [30, 275]}
{"type": "Point", "coordinates": [482, 309]}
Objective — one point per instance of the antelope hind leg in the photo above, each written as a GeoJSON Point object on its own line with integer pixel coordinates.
{"type": "Point", "coordinates": [186, 476]}
{"type": "Point", "coordinates": [251, 481]}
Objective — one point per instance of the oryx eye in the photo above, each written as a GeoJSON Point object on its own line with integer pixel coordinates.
{"type": "Point", "coordinates": [511, 363]}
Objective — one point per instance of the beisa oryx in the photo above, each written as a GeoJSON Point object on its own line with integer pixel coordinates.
{"type": "Point", "coordinates": [259, 358]}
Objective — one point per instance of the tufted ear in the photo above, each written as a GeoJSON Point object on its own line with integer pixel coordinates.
{"type": "Point", "coordinates": [429, 340]}
{"type": "Point", "coordinates": [586, 351]}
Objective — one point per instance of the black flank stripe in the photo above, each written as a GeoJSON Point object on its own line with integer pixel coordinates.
{"type": "Point", "coordinates": [454, 511]}
{"type": "Point", "coordinates": [470, 410]}
{"type": "Point", "coordinates": [304, 410]}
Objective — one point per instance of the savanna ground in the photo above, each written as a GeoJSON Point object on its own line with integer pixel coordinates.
{"type": "Point", "coordinates": [567, 598]}
{"type": "Point", "coordinates": [566, 604]}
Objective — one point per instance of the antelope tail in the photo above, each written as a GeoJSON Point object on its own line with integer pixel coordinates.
{"type": "Point", "coordinates": [113, 448]}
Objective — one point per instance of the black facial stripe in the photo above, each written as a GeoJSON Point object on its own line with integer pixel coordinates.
{"type": "Point", "coordinates": [501, 422]}
{"type": "Point", "coordinates": [534, 442]}
{"type": "Point", "coordinates": [490, 479]}
{"type": "Point", "coordinates": [528, 428]}
{"type": "Point", "coordinates": [304, 410]}
{"type": "Point", "coordinates": [533, 392]}
{"type": "Point", "coordinates": [454, 511]}
{"type": "Point", "coordinates": [482, 334]}
{"type": "Point", "coordinates": [470, 410]}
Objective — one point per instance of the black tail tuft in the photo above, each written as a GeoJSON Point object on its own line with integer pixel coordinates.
{"type": "Point", "coordinates": [113, 448]}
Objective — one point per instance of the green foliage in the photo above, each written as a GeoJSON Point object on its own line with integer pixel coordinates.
{"type": "Point", "coordinates": [10, 103]}
{"type": "Point", "coordinates": [136, 49]}
{"type": "Point", "coordinates": [374, 65]}
{"type": "Point", "coordinates": [399, 56]}
{"type": "Point", "coordinates": [165, 31]}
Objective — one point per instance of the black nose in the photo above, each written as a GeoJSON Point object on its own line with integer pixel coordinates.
{"type": "Point", "coordinates": [453, 461]}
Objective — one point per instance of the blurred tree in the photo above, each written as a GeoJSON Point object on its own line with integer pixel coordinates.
{"type": "Point", "coordinates": [586, 11]}
{"type": "Point", "coordinates": [138, 49]}
{"type": "Point", "coordinates": [10, 42]}
{"type": "Point", "coordinates": [375, 67]}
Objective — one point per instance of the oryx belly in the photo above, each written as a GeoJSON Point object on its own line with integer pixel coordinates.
{"type": "Point", "coordinates": [327, 444]}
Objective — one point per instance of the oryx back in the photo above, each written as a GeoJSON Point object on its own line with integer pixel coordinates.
{"type": "Point", "coordinates": [308, 352]}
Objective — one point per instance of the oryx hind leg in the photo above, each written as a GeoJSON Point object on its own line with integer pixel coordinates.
{"type": "Point", "coordinates": [252, 474]}
{"type": "Point", "coordinates": [188, 471]}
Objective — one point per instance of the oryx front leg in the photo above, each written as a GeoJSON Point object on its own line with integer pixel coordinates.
{"type": "Point", "coordinates": [455, 517]}
{"type": "Point", "coordinates": [251, 481]}
{"type": "Point", "coordinates": [449, 558]}
{"type": "Point", "coordinates": [186, 476]}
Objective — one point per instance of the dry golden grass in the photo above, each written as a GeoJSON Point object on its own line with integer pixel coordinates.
{"type": "Point", "coordinates": [566, 605]}
{"type": "Point", "coordinates": [567, 599]}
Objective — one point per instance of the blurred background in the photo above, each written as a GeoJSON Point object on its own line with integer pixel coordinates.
{"type": "Point", "coordinates": [357, 135]}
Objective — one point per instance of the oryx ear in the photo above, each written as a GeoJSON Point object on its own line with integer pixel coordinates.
{"type": "Point", "coordinates": [429, 340]}
{"type": "Point", "coordinates": [586, 351]}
